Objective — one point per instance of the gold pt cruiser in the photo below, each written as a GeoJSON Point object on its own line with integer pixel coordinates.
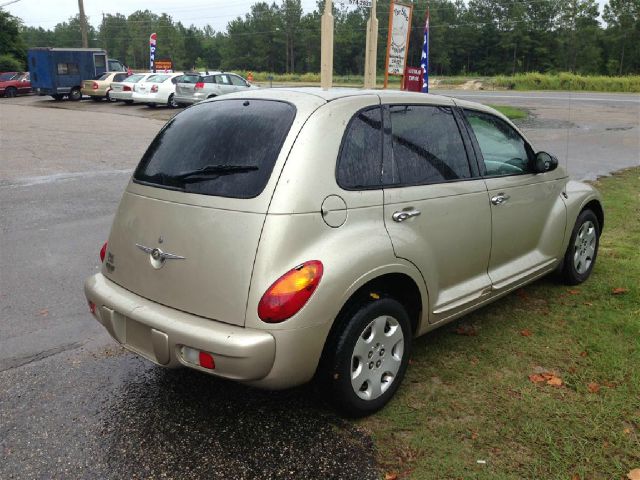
{"type": "Point", "coordinates": [275, 235]}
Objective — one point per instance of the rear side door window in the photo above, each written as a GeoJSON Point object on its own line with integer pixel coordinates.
{"type": "Point", "coordinates": [360, 160]}
{"type": "Point", "coordinates": [426, 146]}
{"type": "Point", "coordinates": [503, 150]}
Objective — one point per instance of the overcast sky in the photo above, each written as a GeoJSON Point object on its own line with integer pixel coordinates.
{"type": "Point", "coordinates": [217, 13]}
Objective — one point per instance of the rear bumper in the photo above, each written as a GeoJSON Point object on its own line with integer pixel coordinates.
{"type": "Point", "coordinates": [186, 99]}
{"type": "Point", "coordinates": [93, 93]}
{"type": "Point", "coordinates": [147, 98]}
{"type": "Point", "coordinates": [158, 333]}
{"type": "Point", "coordinates": [121, 95]}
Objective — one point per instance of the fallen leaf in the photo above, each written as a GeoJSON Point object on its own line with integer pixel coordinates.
{"type": "Point", "coordinates": [44, 312]}
{"type": "Point", "coordinates": [572, 370]}
{"type": "Point", "coordinates": [627, 431]}
{"type": "Point", "coordinates": [537, 378]}
{"type": "Point", "coordinates": [474, 435]}
{"type": "Point", "coordinates": [634, 474]}
{"type": "Point", "coordinates": [620, 291]}
{"type": "Point", "coordinates": [526, 332]}
{"type": "Point", "coordinates": [588, 304]}
{"type": "Point", "coordinates": [555, 381]}
{"type": "Point", "coordinates": [466, 330]}
{"type": "Point", "coordinates": [610, 384]}
{"type": "Point", "coordinates": [575, 477]}
{"type": "Point", "coordinates": [583, 354]}
{"type": "Point", "coordinates": [390, 476]}
{"type": "Point", "coordinates": [574, 292]}
{"type": "Point", "coordinates": [593, 387]}
{"type": "Point", "coordinates": [475, 361]}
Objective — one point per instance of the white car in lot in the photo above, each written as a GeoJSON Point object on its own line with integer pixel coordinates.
{"type": "Point", "coordinates": [158, 89]}
{"type": "Point", "coordinates": [123, 90]}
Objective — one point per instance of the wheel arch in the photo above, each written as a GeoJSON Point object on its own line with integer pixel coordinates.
{"type": "Point", "coordinates": [596, 207]}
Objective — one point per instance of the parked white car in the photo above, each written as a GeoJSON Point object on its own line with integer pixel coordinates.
{"type": "Point", "coordinates": [158, 89]}
{"type": "Point", "coordinates": [124, 90]}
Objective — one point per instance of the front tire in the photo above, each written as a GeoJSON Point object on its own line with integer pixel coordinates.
{"type": "Point", "coordinates": [11, 92]}
{"type": "Point", "coordinates": [365, 360]}
{"type": "Point", "coordinates": [582, 251]}
{"type": "Point", "coordinates": [171, 103]}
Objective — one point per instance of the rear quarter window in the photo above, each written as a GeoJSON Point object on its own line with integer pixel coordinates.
{"type": "Point", "coordinates": [240, 138]}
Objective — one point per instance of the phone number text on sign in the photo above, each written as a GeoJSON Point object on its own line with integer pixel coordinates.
{"type": "Point", "coordinates": [355, 3]}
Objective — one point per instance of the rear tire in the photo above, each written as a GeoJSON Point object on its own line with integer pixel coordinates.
{"type": "Point", "coordinates": [151, 105]}
{"type": "Point", "coordinates": [96, 99]}
{"type": "Point", "coordinates": [581, 254]}
{"type": "Point", "coordinates": [11, 92]}
{"type": "Point", "coordinates": [75, 94]}
{"type": "Point", "coordinates": [57, 97]}
{"type": "Point", "coordinates": [171, 103]}
{"type": "Point", "coordinates": [366, 357]}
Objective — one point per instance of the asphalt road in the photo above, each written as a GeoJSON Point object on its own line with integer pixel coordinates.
{"type": "Point", "coordinates": [75, 405]}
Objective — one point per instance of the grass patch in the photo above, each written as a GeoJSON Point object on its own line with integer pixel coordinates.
{"type": "Point", "coordinates": [569, 81]}
{"type": "Point", "coordinates": [511, 113]}
{"type": "Point", "coordinates": [469, 398]}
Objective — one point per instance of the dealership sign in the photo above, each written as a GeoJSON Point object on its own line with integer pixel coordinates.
{"type": "Point", "coordinates": [153, 41]}
{"type": "Point", "coordinates": [398, 38]}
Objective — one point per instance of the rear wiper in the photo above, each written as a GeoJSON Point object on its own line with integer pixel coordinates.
{"type": "Point", "coordinates": [215, 170]}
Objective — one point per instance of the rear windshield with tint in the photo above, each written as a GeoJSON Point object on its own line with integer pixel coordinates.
{"type": "Point", "coordinates": [234, 143]}
{"type": "Point", "coordinates": [133, 78]}
{"type": "Point", "coordinates": [157, 78]}
{"type": "Point", "coordinates": [190, 78]}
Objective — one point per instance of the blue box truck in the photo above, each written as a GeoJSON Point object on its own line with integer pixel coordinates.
{"type": "Point", "coordinates": [59, 72]}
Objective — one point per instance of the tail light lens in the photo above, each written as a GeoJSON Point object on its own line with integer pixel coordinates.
{"type": "Point", "coordinates": [154, 88]}
{"type": "Point", "coordinates": [103, 252]}
{"type": "Point", "coordinates": [94, 86]}
{"type": "Point", "coordinates": [126, 88]}
{"type": "Point", "coordinates": [199, 85]}
{"type": "Point", "coordinates": [290, 292]}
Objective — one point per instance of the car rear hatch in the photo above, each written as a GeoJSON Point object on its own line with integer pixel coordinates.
{"type": "Point", "coordinates": [186, 86]}
{"type": "Point", "coordinates": [188, 226]}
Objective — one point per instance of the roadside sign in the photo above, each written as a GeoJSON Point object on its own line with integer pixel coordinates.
{"type": "Point", "coordinates": [398, 38]}
{"type": "Point", "coordinates": [413, 79]}
{"type": "Point", "coordinates": [354, 3]}
{"type": "Point", "coordinates": [164, 64]}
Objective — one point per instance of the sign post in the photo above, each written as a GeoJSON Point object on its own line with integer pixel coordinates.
{"type": "Point", "coordinates": [153, 40]}
{"type": "Point", "coordinates": [397, 40]}
{"type": "Point", "coordinates": [372, 49]}
{"type": "Point", "coordinates": [326, 48]}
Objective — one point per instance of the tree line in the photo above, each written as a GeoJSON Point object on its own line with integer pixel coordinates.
{"type": "Point", "coordinates": [480, 37]}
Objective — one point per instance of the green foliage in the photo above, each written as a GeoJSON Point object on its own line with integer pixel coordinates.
{"type": "Point", "coordinates": [10, 64]}
{"type": "Point", "coordinates": [11, 42]}
{"type": "Point", "coordinates": [568, 81]}
{"type": "Point", "coordinates": [488, 37]}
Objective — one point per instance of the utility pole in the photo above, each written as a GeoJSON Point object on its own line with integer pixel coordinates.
{"type": "Point", "coordinates": [83, 25]}
{"type": "Point", "coordinates": [371, 48]}
{"type": "Point", "coordinates": [326, 48]}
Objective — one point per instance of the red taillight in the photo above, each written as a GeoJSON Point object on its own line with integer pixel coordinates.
{"type": "Point", "coordinates": [92, 307]}
{"type": "Point", "coordinates": [154, 88]}
{"type": "Point", "coordinates": [103, 252]}
{"type": "Point", "coordinates": [290, 292]}
{"type": "Point", "coordinates": [206, 360]}
{"type": "Point", "coordinates": [126, 88]}
{"type": "Point", "coordinates": [199, 85]}
{"type": "Point", "coordinates": [94, 86]}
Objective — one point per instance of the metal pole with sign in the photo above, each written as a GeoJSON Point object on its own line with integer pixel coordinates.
{"type": "Point", "coordinates": [397, 40]}
{"type": "Point", "coordinates": [153, 41]}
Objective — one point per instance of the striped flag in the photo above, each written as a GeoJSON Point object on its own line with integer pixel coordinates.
{"type": "Point", "coordinates": [424, 61]}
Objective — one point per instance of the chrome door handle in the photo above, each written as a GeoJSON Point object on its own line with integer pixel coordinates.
{"type": "Point", "coordinates": [403, 215]}
{"type": "Point", "coordinates": [500, 199]}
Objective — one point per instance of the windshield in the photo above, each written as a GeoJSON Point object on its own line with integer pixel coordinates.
{"type": "Point", "coordinates": [133, 79]}
{"type": "Point", "coordinates": [5, 77]}
{"type": "Point", "coordinates": [226, 148]}
{"type": "Point", "coordinates": [190, 78]}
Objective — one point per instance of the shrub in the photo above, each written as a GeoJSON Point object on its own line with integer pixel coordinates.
{"type": "Point", "coordinates": [10, 64]}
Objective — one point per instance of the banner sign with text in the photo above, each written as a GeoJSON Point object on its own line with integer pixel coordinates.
{"type": "Point", "coordinates": [398, 38]}
{"type": "Point", "coordinates": [164, 65]}
{"type": "Point", "coordinates": [153, 40]}
{"type": "Point", "coordinates": [354, 3]}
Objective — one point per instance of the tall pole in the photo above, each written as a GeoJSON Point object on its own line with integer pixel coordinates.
{"type": "Point", "coordinates": [83, 25]}
{"type": "Point", "coordinates": [326, 49]}
{"type": "Point", "coordinates": [372, 48]}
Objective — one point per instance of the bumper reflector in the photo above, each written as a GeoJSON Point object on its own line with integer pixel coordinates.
{"type": "Point", "coordinates": [197, 357]}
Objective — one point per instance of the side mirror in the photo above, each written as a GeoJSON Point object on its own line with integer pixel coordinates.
{"type": "Point", "coordinates": [545, 162]}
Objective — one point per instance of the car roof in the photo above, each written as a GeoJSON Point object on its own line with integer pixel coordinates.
{"type": "Point", "coordinates": [386, 96]}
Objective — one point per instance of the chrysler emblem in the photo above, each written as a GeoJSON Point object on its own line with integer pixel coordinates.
{"type": "Point", "coordinates": [157, 257]}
